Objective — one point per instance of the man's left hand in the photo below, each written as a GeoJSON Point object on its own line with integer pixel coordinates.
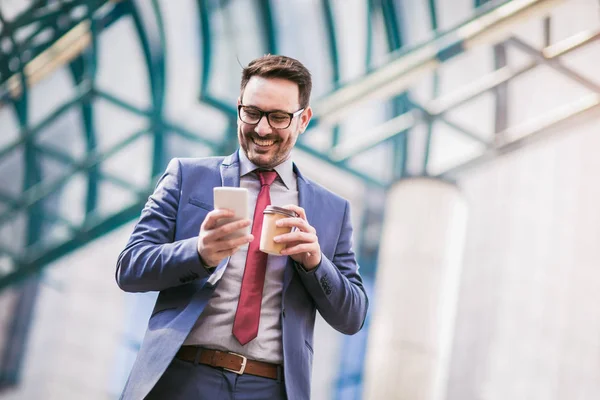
{"type": "Point", "coordinates": [302, 243]}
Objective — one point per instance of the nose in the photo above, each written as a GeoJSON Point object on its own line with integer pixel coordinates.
{"type": "Point", "coordinates": [263, 127]}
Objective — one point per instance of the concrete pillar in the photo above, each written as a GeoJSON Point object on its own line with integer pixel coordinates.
{"type": "Point", "coordinates": [415, 291]}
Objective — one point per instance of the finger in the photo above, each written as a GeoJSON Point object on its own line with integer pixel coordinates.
{"type": "Point", "coordinates": [299, 249]}
{"type": "Point", "coordinates": [220, 250]}
{"type": "Point", "coordinates": [228, 252]}
{"type": "Point", "coordinates": [298, 210]}
{"type": "Point", "coordinates": [210, 222]}
{"type": "Point", "coordinates": [230, 227]}
{"type": "Point", "coordinates": [220, 255]}
{"type": "Point", "coordinates": [223, 230]}
{"type": "Point", "coordinates": [226, 245]}
{"type": "Point", "coordinates": [210, 245]}
{"type": "Point", "coordinates": [299, 223]}
{"type": "Point", "coordinates": [296, 236]}
{"type": "Point", "coordinates": [291, 222]}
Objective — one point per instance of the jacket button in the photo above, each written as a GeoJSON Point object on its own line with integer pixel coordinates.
{"type": "Point", "coordinates": [283, 313]}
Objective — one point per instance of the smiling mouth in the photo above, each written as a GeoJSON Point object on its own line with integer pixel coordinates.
{"type": "Point", "coordinates": [262, 142]}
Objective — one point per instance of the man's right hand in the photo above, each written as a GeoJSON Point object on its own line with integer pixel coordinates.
{"type": "Point", "coordinates": [212, 246]}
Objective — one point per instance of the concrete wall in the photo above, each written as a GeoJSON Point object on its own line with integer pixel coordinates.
{"type": "Point", "coordinates": [77, 328]}
{"type": "Point", "coordinates": [528, 325]}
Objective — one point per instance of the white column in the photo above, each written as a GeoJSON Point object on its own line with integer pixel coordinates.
{"type": "Point", "coordinates": [415, 291]}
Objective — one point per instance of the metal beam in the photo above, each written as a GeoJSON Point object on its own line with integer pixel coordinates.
{"type": "Point", "coordinates": [28, 133]}
{"type": "Point", "coordinates": [554, 64]}
{"type": "Point", "coordinates": [37, 258]}
{"type": "Point", "coordinates": [40, 191]}
{"type": "Point", "coordinates": [375, 136]}
{"type": "Point", "coordinates": [436, 108]}
{"type": "Point", "coordinates": [587, 108]}
{"type": "Point", "coordinates": [394, 77]}
{"type": "Point", "coordinates": [169, 125]}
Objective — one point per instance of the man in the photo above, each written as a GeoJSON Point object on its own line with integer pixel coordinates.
{"type": "Point", "coordinates": [231, 322]}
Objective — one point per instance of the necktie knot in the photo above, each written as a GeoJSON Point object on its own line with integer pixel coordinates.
{"type": "Point", "coordinates": [266, 177]}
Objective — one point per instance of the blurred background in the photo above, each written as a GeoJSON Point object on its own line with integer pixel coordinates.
{"type": "Point", "coordinates": [465, 134]}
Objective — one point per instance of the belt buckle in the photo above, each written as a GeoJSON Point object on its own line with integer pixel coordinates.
{"type": "Point", "coordinates": [242, 368]}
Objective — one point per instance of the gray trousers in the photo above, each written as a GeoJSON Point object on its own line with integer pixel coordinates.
{"type": "Point", "coordinates": [183, 380]}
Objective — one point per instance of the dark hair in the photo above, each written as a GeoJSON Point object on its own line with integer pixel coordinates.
{"type": "Point", "coordinates": [272, 66]}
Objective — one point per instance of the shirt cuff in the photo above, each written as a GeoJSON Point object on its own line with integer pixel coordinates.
{"type": "Point", "coordinates": [308, 271]}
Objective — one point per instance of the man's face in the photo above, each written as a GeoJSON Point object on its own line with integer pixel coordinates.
{"type": "Point", "coordinates": [267, 147]}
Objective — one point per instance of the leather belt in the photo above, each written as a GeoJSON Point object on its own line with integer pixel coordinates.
{"type": "Point", "coordinates": [230, 362]}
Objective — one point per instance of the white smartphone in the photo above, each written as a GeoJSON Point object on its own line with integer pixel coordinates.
{"type": "Point", "coordinates": [236, 199]}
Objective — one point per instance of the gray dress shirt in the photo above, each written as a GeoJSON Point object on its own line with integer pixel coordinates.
{"type": "Point", "coordinates": [214, 327]}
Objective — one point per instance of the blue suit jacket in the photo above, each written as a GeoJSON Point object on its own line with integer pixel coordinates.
{"type": "Point", "coordinates": [161, 256]}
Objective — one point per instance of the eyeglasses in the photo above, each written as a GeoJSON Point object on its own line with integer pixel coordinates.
{"type": "Point", "coordinates": [276, 119]}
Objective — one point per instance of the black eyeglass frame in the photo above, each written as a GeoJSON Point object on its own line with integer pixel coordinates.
{"type": "Point", "coordinates": [267, 113]}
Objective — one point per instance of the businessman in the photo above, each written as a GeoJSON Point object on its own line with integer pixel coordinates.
{"type": "Point", "coordinates": [231, 322]}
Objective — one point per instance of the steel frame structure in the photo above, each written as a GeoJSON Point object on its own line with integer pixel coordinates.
{"type": "Point", "coordinates": [46, 35]}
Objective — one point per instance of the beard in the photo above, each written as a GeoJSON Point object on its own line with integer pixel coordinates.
{"type": "Point", "coordinates": [266, 157]}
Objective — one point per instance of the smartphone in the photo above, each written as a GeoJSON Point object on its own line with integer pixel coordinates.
{"type": "Point", "coordinates": [236, 199]}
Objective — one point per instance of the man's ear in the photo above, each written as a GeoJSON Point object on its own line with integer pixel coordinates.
{"type": "Point", "coordinates": [305, 118]}
{"type": "Point", "coordinates": [239, 100]}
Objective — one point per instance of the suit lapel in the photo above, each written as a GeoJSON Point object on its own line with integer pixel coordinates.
{"type": "Point", "coordinates": [306, 200]}
{"type": "Point", "coordinates": [306, 196]}
{"type": "Point", "coordinates": [230, 171]}
{"type": "Point", "coordinates": [230, 176]}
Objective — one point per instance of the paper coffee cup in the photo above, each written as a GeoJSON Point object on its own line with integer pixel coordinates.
{"type": "Point", "coordinates": [271, 215]}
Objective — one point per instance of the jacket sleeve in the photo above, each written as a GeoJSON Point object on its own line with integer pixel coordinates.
{"type": "Point", "coordinates": [152, 260]}
{"type": "Point", "coordinates": [336, 286]}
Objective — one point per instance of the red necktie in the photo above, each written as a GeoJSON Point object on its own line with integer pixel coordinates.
{"type": "Point", "coordinates": [245, 324]}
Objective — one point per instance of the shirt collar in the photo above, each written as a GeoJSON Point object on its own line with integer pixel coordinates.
{"type": "Point", "coordinates": [285, 170]}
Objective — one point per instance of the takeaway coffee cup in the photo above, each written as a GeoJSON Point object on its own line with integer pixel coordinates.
{"type": "Point", "coordinates": [271, 215]}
